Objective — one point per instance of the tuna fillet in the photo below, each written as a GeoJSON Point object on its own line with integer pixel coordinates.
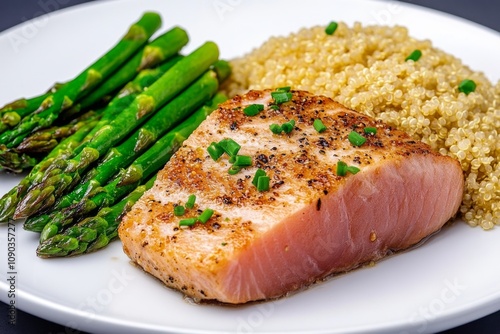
{"type": "Point", "coordinates": [311, 222]}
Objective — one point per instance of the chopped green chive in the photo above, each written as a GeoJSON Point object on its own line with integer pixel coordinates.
{"type": "Point", "coordinates": [415, 55]}
{"type": "Point", "coordinates": [318, 125]}
{"type": "Point", "coordinates": [284, 89]}
{"type": "Point", "coordinates": [243, 161]}
{"type": "Point", "coordinates": [263, 183]}
{"type": "Point", "coordinates": [285, 127]}
{"type": "Point", "coordinates": [261, 180]}
{"type": "Point", "coordinates": [229, 146]}
{"type": "Point", "coordinates": [341, 168]}
{"type": "Point", "coordinates": [370, 130]}
{"type": "Point", "coordinates": [253, 109]}
{"type": "Point", "coordinates": [179, 210]}
{"type": "Point", "coordinates": [353, 169]}
{"type": "Point", "coordinates": [275, 128]}
{"type": "Point", "coordinates": [233, 170]}
{"type": "Point", "coordinates": [274, 107]}
{"type": "Point", "coordinates": [215, 151]}
{"type": "Point", "coordinates": [467, 86]}
{"type": "Point", "coordinates": [190, 202]}
{"type": "Point", "coordinates": [187, 222]}
{"type": "Point", "coordinates": [330, 29]}
{"type": "Point", "coordinates": [258, 173]}
{"type": "Point", "coordinates": [281, 96]}
{"type": "Point", "coordinates": [288, 126]}
{"type": "Point", "coordinates": [356, 139]}
{"type": "Point", "coordinates": [205, 215]}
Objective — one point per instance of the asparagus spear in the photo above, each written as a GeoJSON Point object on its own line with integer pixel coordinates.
{"type": "Point", "coordinates": [12, 113]}
{"type": "Point", "coordinates": [33, 148]}
{"type": "Point", "coordinates": [23, 103]}
{"type": "Point", "coordinates": [122, 155]}
{"type": "Point", "coordinates": [53, 164]}
{"type": "Point", "coordinates": [160, 49]}
{"type": "Point", "coordinates": [52, 106]}
{"type": "Point", "coordinates": [14, 162]}
{"type": "Point", "coordinates": [9, 201]}
{"type": "Point", "coordinates": [92, 233]}
{"type": "Point", "coordinates": [127, 95]}
{"type": "Point", "coordinates": [95, 232]}
{"type": "Point", "coordinates": [164, 89]}
{"type": "Point", "coordinates": [11, 159]}
{"type": "Point", "coordinates": [45, 140]}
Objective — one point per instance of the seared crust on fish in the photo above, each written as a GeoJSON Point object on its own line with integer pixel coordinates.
{"type": "Point", "coordinates": [310, 223]}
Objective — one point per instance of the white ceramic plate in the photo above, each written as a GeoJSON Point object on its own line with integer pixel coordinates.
{"type": "Point", "coordinates": [452, 279]}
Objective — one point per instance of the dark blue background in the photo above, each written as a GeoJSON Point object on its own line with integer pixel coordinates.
{"type": "Point", "coordinates": [13, 12]}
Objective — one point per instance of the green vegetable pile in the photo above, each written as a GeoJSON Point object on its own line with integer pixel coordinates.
{"type": "Point", "coordinates": [90, 147]}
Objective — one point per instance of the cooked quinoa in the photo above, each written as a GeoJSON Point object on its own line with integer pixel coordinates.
{"type": "Point", "coordinates": [365, 68]}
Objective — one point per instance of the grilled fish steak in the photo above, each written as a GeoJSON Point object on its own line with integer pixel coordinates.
{"type": "Point", "coordinates": [310, 223]}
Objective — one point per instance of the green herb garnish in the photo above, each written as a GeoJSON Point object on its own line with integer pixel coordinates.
{"type": "Point", "coordinates": [356, 139]}
{"type": "Point", "coordinates": [258, 173]}
{"type": "Point", "coordinates": [332, 26]}
{"type": "Point", "coordinates": [343, 169]}
{"type": "Point", "coordinates": [370, 130]}
{"type": "Point", "coordinates": [285, 127]}
{"type": "Point", "coordinates": [215, 151]}
{"type": "Point", "coordinates": [230, 146]}
{"type": "Point", "coordinates": [415, 55]}
{"type": "Point", "coordinates": [275, 128]}
{"type": "Point", "coordinates": [263, 183]}
{"type": "Point", "coordinates": [281, 96]}
{"type": "Point", "coordinates": [353, 169]}
{"type": "Point", "coordinates": [319, 126]}
{"type": "Point", "coordinates": [179, 210]}
{"type": "Point", "coordinates": [187, 222]}
{"type": "Point", "coordinates": [233, 170]}
{"type": "Point", "coordinates": [288, 126]}
{"type": "Point", "coordinates": [190, 202]}
{"type": "Point", "coordinates": [467, 86]}
{"type": "Point", "coordinates": [253, 109]}
{"type": "Point", "coordinates": [283, 89]}
{"type": "Point", "coordinates": [242, 161]}
{"type": "Point", "coordinates": [205, 215]}
{"type": "Point", "coordinates": [261, 180]}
